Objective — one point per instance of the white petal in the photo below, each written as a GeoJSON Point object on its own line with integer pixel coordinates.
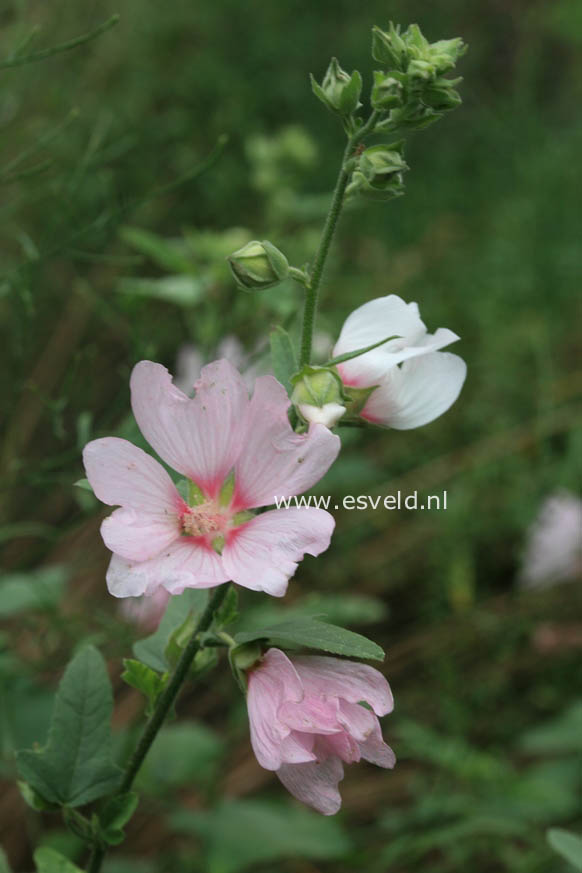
{"type": "Point", "coordinates": [417, 392]}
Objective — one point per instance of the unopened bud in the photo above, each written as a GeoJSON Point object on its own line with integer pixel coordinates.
{"type": "Point", "coordinates": [339, 91]}
{"type": "Point", "coordinates": [387, 91]}
{"type": "Point", "coordinates": [389, 48]}
{"type": "Point", "coordinates": [329, 414]}
{"type": "Point", "coordinates": [318, 395]}
{"type": "Point", "coordinates": [379, 173]}
{"type": "Point", "coordinates": [258, 265]}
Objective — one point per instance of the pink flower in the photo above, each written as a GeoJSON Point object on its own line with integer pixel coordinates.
{"type": "Point", "coordinates": [415, 381]}
{"type": "Point", "coordinates": [157, 539]}
{"type": "Point", "coordinates": [307, 720]}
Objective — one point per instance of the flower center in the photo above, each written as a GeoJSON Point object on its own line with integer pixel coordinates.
{"type": "Point", "coordinates": [200, 520]}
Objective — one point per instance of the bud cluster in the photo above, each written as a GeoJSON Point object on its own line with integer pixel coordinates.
{"type": "Point", "coordinates": [411, 88]}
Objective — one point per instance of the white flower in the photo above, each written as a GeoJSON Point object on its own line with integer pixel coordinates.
{"type": "Point", "coordinates": [553, 551]}
{"type": "Point", "coordinates": [415, 381]}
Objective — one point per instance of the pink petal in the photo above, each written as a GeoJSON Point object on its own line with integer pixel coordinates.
{"type": "Point", "coordinates": [263, 553]}
{"type": "Point", "coordinates": [270, 683]}
{"type": "Point", "coordinates": [297, 748]}
{"type": "Point", "coordinates": [198, 437]}
{"type": "Point", "coordinates": [120, 474]}
{"type": "Point", "coordinates": [349, 680]}
{"type": "Point", "coordinates": [315, 783]}
{"type": "Point", "coordinates": [341, 745]}
{"type": "Point", "coordinates": [138, 536]}
{"type": "Point", "coordinates": [375, 750]}
{"type": "Point", "coordinates": [185, 563]}
{"type": "Point", "coordinates": [274, 460]}
{"type": "Point", "coordinates": [357, 720]}
{"type": "Point", "coordinates": [417, 392]}
{"type": "Point", "coordinates": [311, 715]}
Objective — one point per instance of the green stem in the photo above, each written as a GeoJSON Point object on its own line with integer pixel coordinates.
{"type": "Point", "coordinates": [163, 706]}
{"type": "Point", "coordinates": [337, 202]}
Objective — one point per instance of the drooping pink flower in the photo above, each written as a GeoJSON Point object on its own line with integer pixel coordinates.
{"type": "Point", "coordinates": [415, 381]}
{"type": "Point", "coordinates": [158, 539]}
{"type": "Point", "coordinates": [307, 720]}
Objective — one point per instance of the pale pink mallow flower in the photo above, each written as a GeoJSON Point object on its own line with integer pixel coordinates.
{"type": "Point", "coordinates": [553, 551]}
{"type": "Point", "coordinates": [307, 720]}
{"type": "Point", "coordinates": [157, 539]}
{"type": "Point", "coordinates": [416, 382]}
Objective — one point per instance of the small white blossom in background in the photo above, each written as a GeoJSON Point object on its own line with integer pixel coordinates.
{"type": "Point", "coordinates": [553, 550]}
{"type": "Point", "coordinates": [416, 382]}
{"type": "Point", "coordinates": [190, 360]}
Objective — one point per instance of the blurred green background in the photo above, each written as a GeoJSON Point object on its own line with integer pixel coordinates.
{"type": "Point", "coordinates": [112, 250]}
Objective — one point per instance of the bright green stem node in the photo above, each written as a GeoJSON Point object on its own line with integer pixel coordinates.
{"type": "Point", "coordinates": [163, 707]}
{"type": "Point", "coordinates": [337, 201]}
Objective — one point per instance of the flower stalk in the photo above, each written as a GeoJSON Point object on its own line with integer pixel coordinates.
{"type": "Point", "coordinates": [337, 202]}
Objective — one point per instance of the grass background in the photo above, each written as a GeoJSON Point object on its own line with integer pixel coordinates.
{"type": "Point", "coordinates": [487, 240]}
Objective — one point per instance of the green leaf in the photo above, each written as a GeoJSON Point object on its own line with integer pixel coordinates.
{"type": "Point", "coordinates": [167, 254]}
{"type": "Point", "coordinates": [356, 354]}
{"type": "Point", "coordinates": [39, 590]}
{"type": "Point", "coordinates": [48, 860]}
{"type": "Point", "coordinates": [243, 834]}
{"type": "Point", "coordinates": [567, 844]}
{"type": "Point", "coordinates": [182, 290]}
{"type": "Point", "coordinates": [144, 679]}
{"type": "Point", "coordinates": [559, 736]}
{"type": "Point", "coordinates": [115, 815]}
{"type": "Point", "coordinates": [152, 649]}
{"type": "Point", "coordinates": [312, 634]}
{"type": "Point", "coordinates": [84, 484]}
{"type": "Point", "coordinates": [283, 357]}
{"type": "Point", "coordinates": [4, 865]}
{"type": "Point", "coordinates": [75, 767]}
{"type": "Point", "coordinates": [334, 608]}
{"type": "Point", "coordinates": [34, 800]}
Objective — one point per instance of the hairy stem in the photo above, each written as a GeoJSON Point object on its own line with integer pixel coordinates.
{"type": "Point", "coordinates": [335, 208]}
{"type": "Point", "coordinates": [162, 708]}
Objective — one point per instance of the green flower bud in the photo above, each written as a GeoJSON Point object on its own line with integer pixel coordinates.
{"type": "Point", "coordinates": [318, 395]}
{"type": "Point", "coordinates": [441, 95]}
{"type": "Point", "coordinates": [389, 48]}
{"type": "Point", "coordinates": [339, 91]}
{"type": "Point", "coordinates": [379, 174]}
{"type": "Point", "coordinates": [258, 265]}
{"type": "Point", "coordinates": [387, 90]}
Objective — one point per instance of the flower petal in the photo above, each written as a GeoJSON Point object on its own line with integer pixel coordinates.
{"type": "Point", "coordinates": [376, 320]}
{"type": "Point", "coordinates": [274, 460]}
{"type": "Point", "coordinates": [263, 553]}
{"type": "Point", "coordinates": [417, 392]}
{"type": "Point", "coordinates": [357, 720]}
{"type": "Point", "coordinates": [185, 563]}
{"type": "Point", "coordinates": [138, 536]}
{"type": "Point", "coordinates": [120, 474]}
{"type": "Point", "coordinates": [198, 437]}
{"type": "Point", "coordinates": [354, 682]}
{"type": "Point", "coordinates": [313, 715]}
{"type": "Point", "coordinates": [376, 751]}
{"type": "Point", "coordinates": [270, 683]}
{"type": "Point", "coordinates": [315, 783]}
